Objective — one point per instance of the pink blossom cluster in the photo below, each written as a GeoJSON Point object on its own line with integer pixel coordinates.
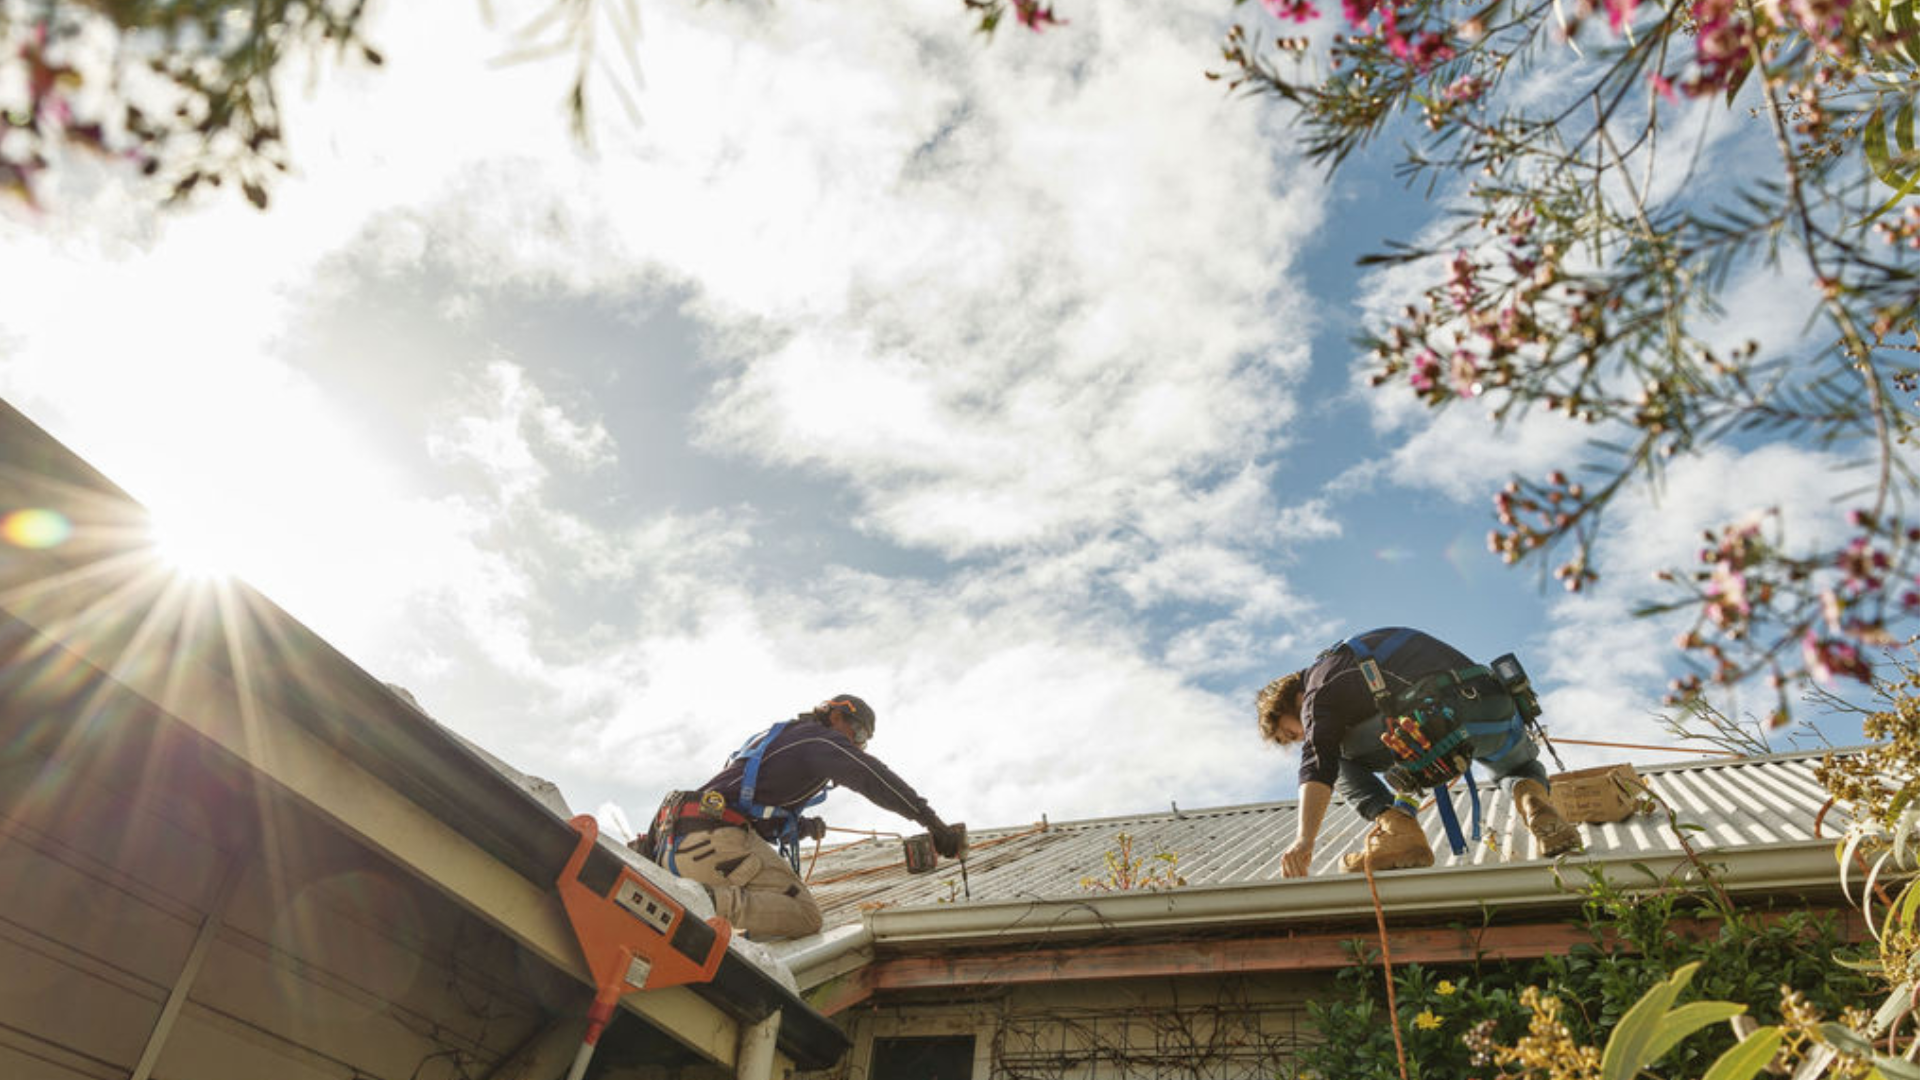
{"type": "Point", "coordinates": [1035, 15]}
{"type": "Point", "coordinates": [1827, 658]}
{"type": "Point", "coordinates": [1298, 11]}
{"type": "Point", "coordinates": [1729, 594]}
{"type": "Point", "coordinates": [1722, 46]}
{"type": "Point", "coordinates": [1902, 230]}
{"type": "Point", "coordinates": [1418, 49]}
{"type": "Point", "coordinates": [1532, 514]}
{"type": "Point", "coordinates": [1823, 21]}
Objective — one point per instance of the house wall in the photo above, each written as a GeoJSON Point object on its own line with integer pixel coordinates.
{"type": "Point", "coordinates": [136, 868]}
{"type": "Point", "coordinates": [1226, 1028]}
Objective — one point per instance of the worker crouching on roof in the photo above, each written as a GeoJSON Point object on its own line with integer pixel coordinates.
{"type": "Point", "coordinates": [723, 835]}
{"type": "Point", "coordinates": [1346, 741]}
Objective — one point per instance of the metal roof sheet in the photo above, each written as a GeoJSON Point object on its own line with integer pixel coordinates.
{"type": "Point", "coordinates": [1732, 803]}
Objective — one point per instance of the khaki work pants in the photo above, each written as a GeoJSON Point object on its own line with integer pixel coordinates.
{"type": "Point", "coordinates": [753, 887]}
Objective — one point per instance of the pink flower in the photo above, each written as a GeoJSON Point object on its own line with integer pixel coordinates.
{"type": "Point", "coordinates": [1036, 16]}
{"type": "Point", "coordinates": [1463, 287]}
{"type": "Point", "coordinates": [1620, 12]}
{"type": "Point", "coordinates": [1425, 374]}
{"type": "Point", "coordinates": [1721, 47]}
{"type": "Point", "coordinates": [1661, 84]}
{"type": "Point", "coordinates": [1727, 603]}
{"type": "Point", "coordinates": [1300, 11]}
{"type": "Point", "coordinates": [1423, 52]}
{"type": "Point", "coordinates": [1464, 89]}
{"type": "Point", "coordinates": [1466, 374]}
{"type": "Point", "coordinates": [1827, 658]}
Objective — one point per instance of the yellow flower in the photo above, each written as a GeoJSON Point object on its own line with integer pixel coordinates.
{"type": "Point", "coordinates": [1445, 988]}
{"type": "Point", "coordinates": [1426, 1021]}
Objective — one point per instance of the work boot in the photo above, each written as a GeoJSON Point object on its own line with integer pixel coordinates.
{"type": "Point", "coordinates": [1554, 834]}
{"type": "Point", "coordinates": [1394, 843]}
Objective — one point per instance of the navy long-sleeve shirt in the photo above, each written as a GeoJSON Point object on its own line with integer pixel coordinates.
{"type": "Point", "coordinates": [802, 759]}
{"type": "Point", "coordinates": [1335, 699]}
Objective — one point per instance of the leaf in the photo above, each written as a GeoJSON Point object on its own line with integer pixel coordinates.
{"type": "Point", "coordinates": [1642, 1025]}
{"type": "Point", "coordinates": [1896, 1069]}
{"type": "Point", "coordinates": [1748, 1057]}
{"type": "Point", "coordinates": [1684, 1021]}
{"type": "Point", "coordinates": [1845, 1039]}
{"type": "Point", "coordinates": [1898, 1004]}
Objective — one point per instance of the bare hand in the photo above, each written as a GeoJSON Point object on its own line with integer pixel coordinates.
{"type": "Point", "coordinates": [1295, 861]}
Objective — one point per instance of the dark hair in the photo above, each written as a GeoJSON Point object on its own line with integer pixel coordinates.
{"type": "Point", "coordinates": [1279, 697]}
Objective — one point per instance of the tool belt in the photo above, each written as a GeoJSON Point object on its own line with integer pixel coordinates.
{"type": "Point", "coordinates": [1431, 730]}
{"type": "Point", "coordinates": [688, 811]}
{"type": "Point", "coordinates": [685, 812]}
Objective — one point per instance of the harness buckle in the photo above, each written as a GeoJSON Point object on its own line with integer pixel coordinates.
{"type": "Point", "coordinates": [713, 805]}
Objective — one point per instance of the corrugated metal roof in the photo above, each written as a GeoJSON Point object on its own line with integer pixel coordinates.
{"type": "Point", "coordinates": [1734, 803]}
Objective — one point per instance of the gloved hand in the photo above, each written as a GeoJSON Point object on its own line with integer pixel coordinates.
{"type": "Point", "coordinates": [813, 828]}
{"type": "Point", "coordinates": [948, 841]}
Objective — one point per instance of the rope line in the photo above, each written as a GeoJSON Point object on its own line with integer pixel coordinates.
{"type": "Point", "coordinates": [1639, 746]}
{"type": "Point", "coordinates": [1386, 952]}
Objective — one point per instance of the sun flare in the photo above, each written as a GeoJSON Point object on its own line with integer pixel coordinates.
{"type": "Point", "coordinates": [197, 546]}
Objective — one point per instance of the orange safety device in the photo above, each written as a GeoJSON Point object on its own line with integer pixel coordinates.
{"type": "Point", "coordinates": [636, 937]}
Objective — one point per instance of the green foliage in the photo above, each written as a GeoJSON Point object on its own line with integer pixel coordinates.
{"type": "Point", "coordinates": [1633, 944]}
{"type": "Point", "coordinates": [1654, 1026]}
{"type": "Point", "coordinates": [1126, 871]}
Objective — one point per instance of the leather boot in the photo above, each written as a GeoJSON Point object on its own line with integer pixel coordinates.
{"type": "Point", "coordinates": [1553, 834]}
{"type": "Point", "coordinates": [1394, 843]}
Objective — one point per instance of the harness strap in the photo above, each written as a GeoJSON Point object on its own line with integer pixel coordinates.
{"type": "Point", "coordinates": [1370, 659]}
{"type": "Point", "coordinates": [1513, 725]}
{"type": "Point", "coordinates": [1450, 820]}
{"type": "Point", "coordinates": [789, 836]}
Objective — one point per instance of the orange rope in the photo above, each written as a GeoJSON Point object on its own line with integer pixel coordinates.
{"type": "Point", "coordinates": [851, 874]}
{"type": "Point", "coordinates": [1638, 746]}
{"type": "Point", "coordinates": [1386, 952]}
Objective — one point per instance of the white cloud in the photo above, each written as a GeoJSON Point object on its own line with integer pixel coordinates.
{"type": "Point", "coordinates": [1025, 304]}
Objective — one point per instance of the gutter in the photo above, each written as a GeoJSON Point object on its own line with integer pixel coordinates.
{"type": "Point", "coordinates": [825, 956]}
{"type": "Point", "coordinates": [1532, 884]}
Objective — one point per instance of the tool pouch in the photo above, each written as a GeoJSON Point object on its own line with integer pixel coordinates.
{"type": "Point", "coordinates": [1428, 731]}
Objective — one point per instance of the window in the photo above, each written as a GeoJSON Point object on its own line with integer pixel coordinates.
{"type": "Point", "coordinates": [923, 1058]}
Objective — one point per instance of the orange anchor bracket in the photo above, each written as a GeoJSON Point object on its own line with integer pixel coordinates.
{"type": "Point", "coordinates": [636, 936]}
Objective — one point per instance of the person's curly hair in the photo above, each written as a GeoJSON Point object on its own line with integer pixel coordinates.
{"type": "Point", "coordinates": [1282, 695]}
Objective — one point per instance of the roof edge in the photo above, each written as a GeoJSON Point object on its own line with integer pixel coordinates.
{"type": "Point", "coordinates": [1434, 891]}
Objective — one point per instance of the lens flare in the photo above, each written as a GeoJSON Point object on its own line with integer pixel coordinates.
{"type": "Point", "coordinates": [35, 528]}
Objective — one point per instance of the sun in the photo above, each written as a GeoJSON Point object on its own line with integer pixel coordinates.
{"type": "Point", "coordinates": [197, 545]}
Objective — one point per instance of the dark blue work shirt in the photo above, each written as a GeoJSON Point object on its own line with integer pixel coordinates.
{"type": "Point", "coordinates": [802, 759]}
{"type": "Point", "coordinates": [1335, 699]}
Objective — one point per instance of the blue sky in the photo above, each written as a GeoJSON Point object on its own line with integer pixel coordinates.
{"type": "Point", "coordinates": [1006, 384]}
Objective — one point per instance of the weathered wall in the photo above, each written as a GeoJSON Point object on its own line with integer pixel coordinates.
{"type": "Point", "coordinates": [1228, 1028]}
{"type": "Point", "coordinates": [324, 961]}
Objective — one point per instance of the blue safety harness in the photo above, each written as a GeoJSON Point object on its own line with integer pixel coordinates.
{"type": "Point", "coordinates": [751, 752]}
{"type": "Point", "coordinates": [1459, 743]}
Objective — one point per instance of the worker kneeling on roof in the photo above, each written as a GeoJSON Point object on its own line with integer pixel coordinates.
{"type": "Point", "coordinates": [724, 834]}
{"type": "Point", "coordinates": [1408, 705]}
